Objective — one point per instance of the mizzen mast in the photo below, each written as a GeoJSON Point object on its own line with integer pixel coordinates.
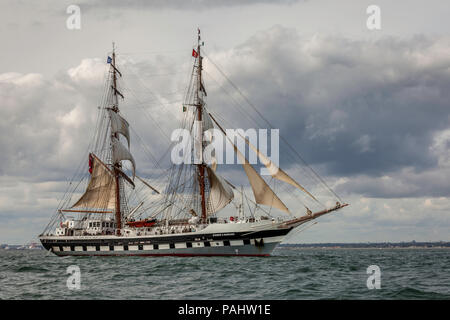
{"type": "Point", "coordinates": [199, 104]}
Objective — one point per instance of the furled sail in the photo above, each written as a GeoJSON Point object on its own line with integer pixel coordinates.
{"type": "Point", "coordinates": [120, 152]}
{"type": "Point", "coordinates": [101, 190]}
{"type": "Point", "coordinates": [275, 171]}
{"type": "Point", "coordinates": [119, 125]}
{"type": "Point", "coordinates": [220, 193]}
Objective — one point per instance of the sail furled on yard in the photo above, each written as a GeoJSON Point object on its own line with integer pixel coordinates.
{"type": "Point", "coordinates": [101, 190]}
{"type": "Point", "coordinates": [120, 152]}
{"type": "Point", "coordinates": [119, 125]}
{"type": "Point", "coordinates": [277, 172]}
{"type": "Point", "coordinates": [220, 193]}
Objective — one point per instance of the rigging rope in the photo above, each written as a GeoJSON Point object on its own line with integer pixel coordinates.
{"type": "Point", "coordinates": [271, 126]}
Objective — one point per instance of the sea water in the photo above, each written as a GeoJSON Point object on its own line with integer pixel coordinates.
{"type": "Point", "coordinates": [291, 273]}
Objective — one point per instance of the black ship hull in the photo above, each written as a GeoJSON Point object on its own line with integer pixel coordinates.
{"type": "Point", "coordinates": [256, 243]}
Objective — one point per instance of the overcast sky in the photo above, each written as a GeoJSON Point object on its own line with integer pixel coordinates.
{"type": "Point", "coordinates": [368, 109]}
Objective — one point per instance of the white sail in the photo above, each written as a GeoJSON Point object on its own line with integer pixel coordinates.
{"type": "Point", "coordinates": [119, 125]}
{"type": "Point", "coordinates": [120, 152]}
{"type": "Point", "coordinates": [198, 142]}
{"type": "Point", "coordinates": [101, 190]}
{"type": "Point", "coordinates": [220, 193]}
{"type": "Point", "coordinates": [261, 190]}
{"type": "Point", "coordinates": [208, 124]}
{"type": "Point", "coordinates": [277, 172]}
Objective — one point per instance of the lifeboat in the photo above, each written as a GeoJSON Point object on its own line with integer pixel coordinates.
{"type": "Point", "coordinates": [141, 223]}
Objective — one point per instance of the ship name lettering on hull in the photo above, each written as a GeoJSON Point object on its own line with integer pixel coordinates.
{"type": "Point", "coordinates": [223, 235]}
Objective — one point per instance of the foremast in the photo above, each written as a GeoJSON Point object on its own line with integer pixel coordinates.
{"type": "Point", "coordinates": [116, 164]}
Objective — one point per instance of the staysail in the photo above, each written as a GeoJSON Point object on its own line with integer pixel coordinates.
{"type": "Point", "coordinates": [277, 172]}
{"type": "Point", "coordinates": [101, 190]}
{"type": "Point", "coordinates": [262, 192]}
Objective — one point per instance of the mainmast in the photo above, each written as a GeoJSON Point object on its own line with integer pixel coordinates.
{"type": "Point", "coordinates": [199, 105]}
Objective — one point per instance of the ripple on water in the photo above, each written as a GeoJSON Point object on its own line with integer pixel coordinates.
{"type": "Point", "coordinates": [33, 269]}
{"type": "Point", "coordinates": [413, 293]}
{"type": "Point", "coordinates": [290, 274]}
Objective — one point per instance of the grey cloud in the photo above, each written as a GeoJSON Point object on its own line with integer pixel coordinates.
{"type": "Point", "coordinates": [48, 123]}
{"type": "Point", "coordinates": [179, 5]}
{"type": "Point", "coordinates": [404, 183]}
{"type": "Point", "coordinates": [352, 106]}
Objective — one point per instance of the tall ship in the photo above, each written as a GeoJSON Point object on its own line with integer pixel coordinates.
{"type": "Point", "coordinates": [198, 212]}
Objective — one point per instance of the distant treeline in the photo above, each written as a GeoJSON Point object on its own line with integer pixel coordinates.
{"type": "Point", "coordinates": [412, 244]}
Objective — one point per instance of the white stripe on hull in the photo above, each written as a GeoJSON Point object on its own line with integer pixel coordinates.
{"type": "Point", "coordinates": [228, 239]}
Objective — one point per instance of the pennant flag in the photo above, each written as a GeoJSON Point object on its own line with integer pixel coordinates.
{"type": "Point", "coordinates": [109, 60]}
{"type": "Point", "coordinates": [194, 53]}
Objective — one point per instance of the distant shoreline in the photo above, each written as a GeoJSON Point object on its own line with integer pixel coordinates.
{"type": "Point", "coordinates": [369, 245]}
{"type": "Point", "coordinates": [377, 245]}
{"type": "Point", "coordinates": [357, 248]}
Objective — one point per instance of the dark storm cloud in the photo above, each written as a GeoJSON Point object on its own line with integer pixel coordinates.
{"type": "Point", "coordinates": [354, 106]}
{"type": "Point", "coordinates": [406, 183]}
{"type": "Point", "coordinates": [361, 109]}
